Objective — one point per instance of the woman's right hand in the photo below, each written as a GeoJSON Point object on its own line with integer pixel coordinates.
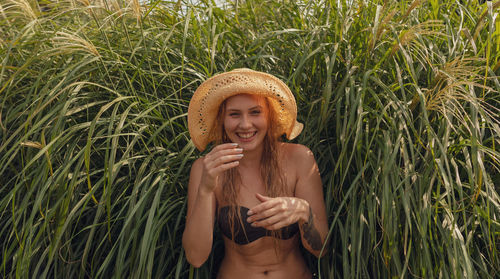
{"type": "Point", "coordinates": [221, 158]}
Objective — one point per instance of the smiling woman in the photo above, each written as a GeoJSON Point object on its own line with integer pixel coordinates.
{"type": "Point", "coordinates": [399, 99]}
{"type": "Point", "coordinates": [245, 120]}
{"type": "Point", "coordinates": [261, 192]}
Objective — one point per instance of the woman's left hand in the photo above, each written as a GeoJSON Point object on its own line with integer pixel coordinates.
{"type": "Point", "coordinates": [276, 213]}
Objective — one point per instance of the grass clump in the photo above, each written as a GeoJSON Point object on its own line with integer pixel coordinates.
{"type": "Point", "coordinates": [399, 100]}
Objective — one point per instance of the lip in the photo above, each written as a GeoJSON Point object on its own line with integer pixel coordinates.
{"type": "Point", "coordinates": [246, 139]}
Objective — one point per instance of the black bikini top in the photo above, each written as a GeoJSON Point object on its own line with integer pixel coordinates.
{"type": "Point", "coordinates": [252, 233]}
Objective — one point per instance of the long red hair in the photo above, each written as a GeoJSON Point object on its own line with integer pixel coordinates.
{"type": "Point", "coordinates": [270, 169]}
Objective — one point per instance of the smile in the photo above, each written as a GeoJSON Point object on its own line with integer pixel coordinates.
{"type": "Point", "coordinates": [246, 135]}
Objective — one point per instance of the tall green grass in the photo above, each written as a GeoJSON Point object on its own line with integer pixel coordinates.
{"type": "Point", "coordinates": [399, 99]}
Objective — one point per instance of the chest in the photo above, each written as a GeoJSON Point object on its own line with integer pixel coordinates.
{"type": "Point", "coordinates": [251, 182]}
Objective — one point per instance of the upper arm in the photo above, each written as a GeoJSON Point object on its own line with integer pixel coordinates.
{"type": "Point", "coordinates": [194, 184]}
{"type": "Point", "coordinates": [198, 232]}
{"type": "Point", "coordinates": [309, 185]}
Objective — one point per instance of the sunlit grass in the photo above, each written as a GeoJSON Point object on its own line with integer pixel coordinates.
{"type": "Point", "coordinates": [399, 99]}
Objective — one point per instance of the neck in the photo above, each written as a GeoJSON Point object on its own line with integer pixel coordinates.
{"type": "Point", "coordinates": [252, 158]}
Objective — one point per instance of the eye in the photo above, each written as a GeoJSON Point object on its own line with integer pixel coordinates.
{"type": "Point", "coordinates": [233, 114]}
{"type": "Point", "coordinates": [256, 112]}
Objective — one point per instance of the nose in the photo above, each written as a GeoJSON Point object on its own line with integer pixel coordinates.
{"type": "Point", "coordinates": [245, 122]}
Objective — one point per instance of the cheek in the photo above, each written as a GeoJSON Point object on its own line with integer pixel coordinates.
{"type": "Point", "coordinates": [228, 124]}
{"type": "Point", "coordinates": [263, 123]}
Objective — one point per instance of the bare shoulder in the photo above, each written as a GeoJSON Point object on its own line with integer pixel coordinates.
{"type": "Point", "coordinates": [298, 153]}
{"type": "Point", "coordinates": [197, 167]}
{"type": "Point", "coordinates": [198, 163]}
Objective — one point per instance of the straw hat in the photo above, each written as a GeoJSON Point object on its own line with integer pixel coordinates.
{"type": "Point", "coordinates": [206, 100]}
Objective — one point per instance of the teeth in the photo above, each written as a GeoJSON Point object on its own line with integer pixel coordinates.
{"type": "Point", "coordinates": [246, 135]}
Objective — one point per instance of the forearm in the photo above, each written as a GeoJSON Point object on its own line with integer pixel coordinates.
{"type": "Point", "coordinates": [313, 231]}
{"type": "Point", "coordinates": [198, 233]}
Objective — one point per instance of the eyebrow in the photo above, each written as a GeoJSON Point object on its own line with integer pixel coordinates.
{"type": "Point", "coordinates": [252, 108]}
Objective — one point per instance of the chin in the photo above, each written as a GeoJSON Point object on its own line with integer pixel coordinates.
{"type": "Point", "coordinates": [247, 147]}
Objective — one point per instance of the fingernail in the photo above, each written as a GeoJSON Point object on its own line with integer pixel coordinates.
{"type": "Point", "coordinates": [249, 220]}
{"type": "Point", "coordinates": [253, 225]}
{"type": "Point", "coordinates": [250, 212]}
{"type": "Point", "coordinates": [234, 144]}
{"type": "Point", "coordinates": [239, 155]}
{"type": "Point", "coordinates": [239, 149]}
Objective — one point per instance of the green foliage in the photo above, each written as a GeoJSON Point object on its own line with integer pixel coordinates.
{"type": "Point", "coordinates": [399, 99]}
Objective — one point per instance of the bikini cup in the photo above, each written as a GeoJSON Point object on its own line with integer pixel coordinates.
{"type": "Point", "coordinates": [246, 233]}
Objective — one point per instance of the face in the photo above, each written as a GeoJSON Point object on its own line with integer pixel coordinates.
{"type": "Point", "coordinates": [246, 120]}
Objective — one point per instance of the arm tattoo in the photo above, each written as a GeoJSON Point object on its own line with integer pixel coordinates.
{"type": "Point", "coordinates": [311, 235]}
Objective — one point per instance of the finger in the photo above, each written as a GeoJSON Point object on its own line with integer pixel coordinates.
{"type": "Point", "coordinates": [278, 225]}
{"type": "Point", "coordinates": [272, 223]}
{"type": "Point", "coordinates": [225, 167]}
{"type": "Point", "coordinates": [214, 172]}
{"type": "Point", "coordinates": [263, 206]}
{"type": "Point", "coordinates": [263, 214]}
{"type": "Point", "coordinates": [224, 146]}
{"type": "Point", "coordinates": [228, 151]}
{"type": "Point", "coordinates": [262, 198]}
{"type": "Point", "coordinates": [214, 155]}
{"type": "Point", "coordinates": [214, 163]}
{"type": "Point", "coordinates": [227, 159]}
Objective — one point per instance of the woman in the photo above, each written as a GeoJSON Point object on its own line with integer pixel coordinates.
{"type": "Point", "coordinates": [265, 195]}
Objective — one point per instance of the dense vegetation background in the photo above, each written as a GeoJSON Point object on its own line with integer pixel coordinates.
{"type": "Point", "coordinates": [400, 101]}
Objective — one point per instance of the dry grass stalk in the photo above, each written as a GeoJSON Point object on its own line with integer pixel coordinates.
{"type": "Point", "coordinates": [68, 43]}
{"type": "Point", "coordinates": [23, 8]}
{"type": "Point", "coordinates": [413, 5]}
{"type": "Point", "coordinates": [381, 28]}
{"type": "Point", "coordinates": [427, 28]}
{"type": "Point", "coordinates": [482, 19]}
{"type": "Point", "coordinates": [136, 8]}
{"type": "Point", "coordinates": [116, 7]}
{"type": "Point", "coordinates": [33, 144]}
{"type": "Point", "coordinates": [453, 86]}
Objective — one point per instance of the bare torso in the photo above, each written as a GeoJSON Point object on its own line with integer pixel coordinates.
{"type": "Point", "coordinates": [260, 259]}
{"type": "Point", "coordinates": [291, 202]}
{"type": "Point", "coordinates": [266, 257]}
